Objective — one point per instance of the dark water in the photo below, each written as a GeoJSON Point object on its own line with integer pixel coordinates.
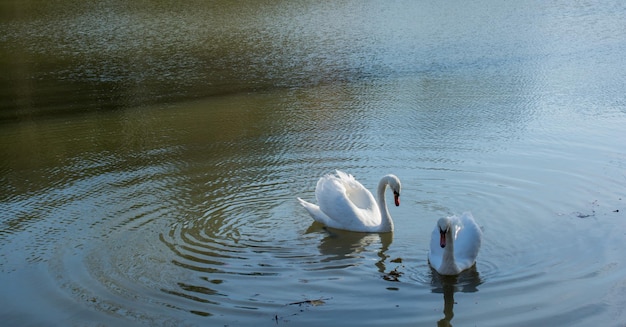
{"type": "Point", "coordinates": [151, 153]}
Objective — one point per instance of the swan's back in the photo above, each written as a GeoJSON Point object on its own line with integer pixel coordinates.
{"type": "Point", "coordinates": [467, 242]}
{"type": "Point", "coordinates": [342, 197]}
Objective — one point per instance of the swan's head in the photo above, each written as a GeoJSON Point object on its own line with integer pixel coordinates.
{"type": "Point", "coordinates": [444, 228]}
{"type": "Point", "coordinates": [396, 187]}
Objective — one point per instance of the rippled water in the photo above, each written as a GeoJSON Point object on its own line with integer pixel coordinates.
{"type": "Point", "coordinates": [179, 206]}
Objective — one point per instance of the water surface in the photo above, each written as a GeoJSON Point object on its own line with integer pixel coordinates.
{"type": "Point", "coordinates": [151, 155]}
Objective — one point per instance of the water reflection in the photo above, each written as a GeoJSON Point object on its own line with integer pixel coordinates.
{"type": "Point", "coordinates": [338, 245]}
{"type": "Point", "coordinates": [466, 282]}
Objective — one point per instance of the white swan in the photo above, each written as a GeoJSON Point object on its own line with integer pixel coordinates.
{"type": "Point", "coordinates": [454, 244]}
{"type": "Point", "coordinates": [345, 204]}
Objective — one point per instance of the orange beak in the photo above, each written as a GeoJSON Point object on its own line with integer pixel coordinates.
{"type": "Point", "coordinates": [442, 239]}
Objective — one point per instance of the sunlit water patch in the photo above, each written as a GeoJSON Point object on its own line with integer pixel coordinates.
{"type": "Point", "coordinates": [213, 230]}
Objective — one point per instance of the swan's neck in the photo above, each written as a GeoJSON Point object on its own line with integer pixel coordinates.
{"type": "Point", "coordinates": [386, 222]}
{"type": "Point", "coordinates": [448, 263]}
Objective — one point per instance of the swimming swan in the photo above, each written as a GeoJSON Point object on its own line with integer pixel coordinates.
{"type": "Point", "coordinates": [345, 204]}
{"type": "Point", "coordinates": [454, 244]}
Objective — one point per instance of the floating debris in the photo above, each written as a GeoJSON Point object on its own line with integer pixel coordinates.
{"type": "Point", "coordinates": [310, 302]}
{"type": "Point", "coordinates": [585, 215]}
{"type": "Point", "coordinates": [393, 276]}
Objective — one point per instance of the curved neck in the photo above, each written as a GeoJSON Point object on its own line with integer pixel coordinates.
{"type": "Point", "coordinates": [448, 263]}
{"type": "Point", "coordinates": [382, 204]}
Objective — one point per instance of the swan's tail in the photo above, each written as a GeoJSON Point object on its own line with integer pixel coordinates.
{"type": "Point", "coordinates": [315, 212]}
{"type": "Point", "coordinates": [302, 202]}
{"type": "Point", "coordinates": [310, 207]}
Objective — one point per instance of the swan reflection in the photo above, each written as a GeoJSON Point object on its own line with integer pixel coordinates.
{"type": "Point", "coordinates": [340, 244]}
{"type": "Point", "coordinates": [466, 282]}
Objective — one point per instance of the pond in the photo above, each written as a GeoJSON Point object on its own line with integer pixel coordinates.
{"type": "Point", "coordinates": [152, 154]}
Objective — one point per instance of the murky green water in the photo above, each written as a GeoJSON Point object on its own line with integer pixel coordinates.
{"type": "Point", "coordinates": [151, 154]}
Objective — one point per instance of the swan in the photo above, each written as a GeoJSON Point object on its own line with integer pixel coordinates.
{"type": "Point", "coordinates": [346, 204]}
{"type": "Point", "coordinates": [454, 244]}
